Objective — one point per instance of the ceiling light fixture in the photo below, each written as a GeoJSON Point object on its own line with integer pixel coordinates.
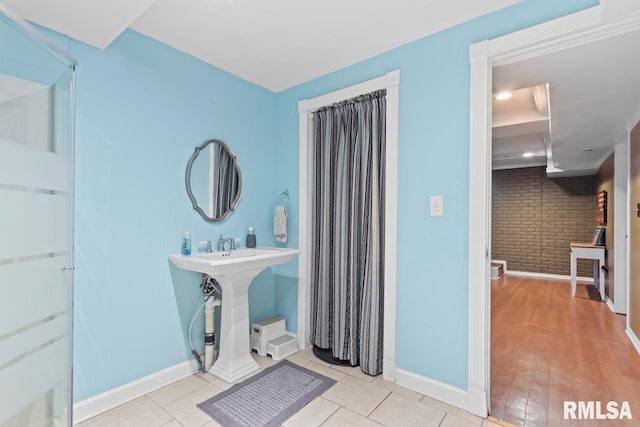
{"type": "Point", "coordinates": [503, 95]}
{"type": "Point", "coordinates": [527, 154]}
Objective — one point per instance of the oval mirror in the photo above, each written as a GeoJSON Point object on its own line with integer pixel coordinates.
{"type": "Point", "coordinates": [214, 181]}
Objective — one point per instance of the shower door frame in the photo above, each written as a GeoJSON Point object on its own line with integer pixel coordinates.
{"type": "Point", "coordinates": [389, 82]}
{"type": "Point", "coordinates": [68, 60]}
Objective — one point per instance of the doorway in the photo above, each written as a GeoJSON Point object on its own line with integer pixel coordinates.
{"type": "Point", "coordinates": [570, 31]}
{"type": "Point", "coordinates": [389, 82]}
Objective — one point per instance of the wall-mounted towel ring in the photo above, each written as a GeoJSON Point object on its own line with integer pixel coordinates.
{"type": "Point", "coordinates": [284, 195]}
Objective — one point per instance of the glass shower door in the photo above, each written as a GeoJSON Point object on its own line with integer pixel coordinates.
{"type": "Point", "coordinates": [36, 194]}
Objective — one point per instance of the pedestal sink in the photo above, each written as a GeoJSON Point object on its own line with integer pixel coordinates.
{"type": "Point", "coordinates": [234, 270]}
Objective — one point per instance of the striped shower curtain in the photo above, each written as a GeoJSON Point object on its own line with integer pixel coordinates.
{"type": "Point", "coordinates": [347, 281]}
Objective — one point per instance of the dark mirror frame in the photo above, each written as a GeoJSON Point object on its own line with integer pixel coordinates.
{"type": "Point", "coordinates": [194, 202]}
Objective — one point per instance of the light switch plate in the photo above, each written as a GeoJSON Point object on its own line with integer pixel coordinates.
{"type": "Point", "coordinates": [436, 205]}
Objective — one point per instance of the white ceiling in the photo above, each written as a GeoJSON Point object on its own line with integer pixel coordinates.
{"type": "Point", "coordinates": [95, 22]}
{"type": "Point", "coordinates": [594, 89]}
{"type": "Point", "coordinates": [594, 93]}
{"type": "Point", "coordinates": [520, 125]}
{"type": "Point", "coordinates": [275, 44]}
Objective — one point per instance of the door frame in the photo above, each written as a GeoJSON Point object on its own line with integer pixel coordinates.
{"type": "Point", "coordinates": [572, 30]}
{"type": "Point", "coordinates": [389, 82]}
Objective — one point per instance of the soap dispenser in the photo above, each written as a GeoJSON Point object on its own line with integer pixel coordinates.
{"type": "Point", "coordinates": [251, 238]}
{"type": "Point", "coordinates": [186, 243]}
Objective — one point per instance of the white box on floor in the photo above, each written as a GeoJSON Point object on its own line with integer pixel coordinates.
{"type": "Point", "coordinates": [282, 346]}
{"type": "Point", "coordinates": [269, 328]}
{"type": "Point", "coordinates": [270, 336]}
{"type": "Point", "coordinates": [498, 268]}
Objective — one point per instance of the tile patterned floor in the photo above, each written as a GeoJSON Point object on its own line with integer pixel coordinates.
{"type": "Point", "coordinates": [355, 400]}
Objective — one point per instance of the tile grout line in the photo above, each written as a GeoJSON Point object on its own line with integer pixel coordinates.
{"type": "Point", "coordinates": [162, 409]}
{"type": "Point", "coordinates": [330, 415]}
{"type": "Point", "coordinates": [378, 405]}
{"type": "Point", "coordinates": [166, 412]}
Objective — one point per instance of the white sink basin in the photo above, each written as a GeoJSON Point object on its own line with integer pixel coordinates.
{"type": "Point", "coordinates": [235, 261]}
{"type": "Point", "coordinates": [234, 270]}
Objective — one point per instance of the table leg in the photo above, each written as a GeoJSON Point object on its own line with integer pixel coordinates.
{"type": "Point", "coordinates": [573, 273]}
{"type": "Point", "coordinates": [601, 279]}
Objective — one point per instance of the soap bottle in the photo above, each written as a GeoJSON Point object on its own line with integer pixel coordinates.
{"type": "Point", "coordinates": [186, 243]}
{"type": "Point", "coordinates": [251, 238]}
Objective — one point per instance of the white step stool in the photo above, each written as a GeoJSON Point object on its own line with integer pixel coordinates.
{"type": "Point", "coordinates": [270, 336]}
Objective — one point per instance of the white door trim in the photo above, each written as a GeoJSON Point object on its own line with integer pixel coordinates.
{"type": "Point", "coordinates": [306, 107]}
{"type": "Point", "coordinates": [620, 212]}
{"type": "Point", "coordinates": [572, 30]}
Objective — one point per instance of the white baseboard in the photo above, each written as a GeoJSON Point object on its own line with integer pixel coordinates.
{"type": "Point", "coordinates": [477, 403]}
{"type": "Point", "coordinates": [500, 261]}
{"type": "Point", "coordinates": [547, 276]}
{"type": "Point", "coordinates": [634, 339]}
{"type": "Point", "coordinates": [438, 390]}
{"type": "Point", "coordinates": [609, 304]}
{"type": "Point", "coordinates": [389, 369]}
{"type": "Point", "coordinates": [102, 402]}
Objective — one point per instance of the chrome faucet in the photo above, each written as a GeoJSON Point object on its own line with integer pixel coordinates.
{"type": "Point", "coordinates": [232, 243]}
{"type": "Point", "coordinates": [226, 244]}
{"type": "Point", "coordinates": [221, 242]}
{"type": "Point", "coordinates": [209, 247]}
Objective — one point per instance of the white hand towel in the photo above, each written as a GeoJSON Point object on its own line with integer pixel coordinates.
{"type": "Point", "coordinates": [280, 223]}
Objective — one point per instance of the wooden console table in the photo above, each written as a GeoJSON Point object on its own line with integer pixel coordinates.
{"type": "Point", "coordinates": [595, 253]}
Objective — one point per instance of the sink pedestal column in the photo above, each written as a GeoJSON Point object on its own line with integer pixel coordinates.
{"type": "Point", "coordinates": [234, 360]}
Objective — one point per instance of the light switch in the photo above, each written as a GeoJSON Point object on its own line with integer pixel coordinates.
{"type": "Point", "coordinates": [436, 204]}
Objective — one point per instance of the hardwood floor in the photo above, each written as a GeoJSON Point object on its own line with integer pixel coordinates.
{"type": "Point", "coordinates": [548, 347]}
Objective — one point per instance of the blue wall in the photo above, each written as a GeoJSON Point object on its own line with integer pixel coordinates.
{"type": "Point", "coordinates": [142, 107]}
{"type": "Point", "coordinates": [25, 58]}
{"type": "Point", "coordinates": [432, 322]}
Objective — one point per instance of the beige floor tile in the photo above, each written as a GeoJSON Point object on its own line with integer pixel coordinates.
{"type": "Point", "coordinates": [298, 359]}
{"type": "Point", "coordinates": [314, 414]}
{"type": "Point", "coordinates": [308, 354]}
{"type": "Point", "coordinates": [264, 362]}
{"type": "Point", "coordinates": [449, 409]}
{"type": "Point", "coordinates": [212, 423]}
{"type": "Point", "coordinates": [176, 390]}
{"type": "Point", "coordinates": [487, 423]}
{"type": "Point", "coordinates": [399, 411]}
{"type": "Point", "coordinates": [381, 382]}
{"type": "Point", "coordinates": [435, 403]}
{"type": "Point", "coordinates": [139, 412]}
{"type": "Point", "coordinates": [346, 418]}
{"type": "Point", "coordinates": [475, 420]}
{"type": "Point", "coordinates": [186, 412]}
{"type": "Point", "coordinates": [453, 421]}
{"type": "Point", "coordinates": [327, 372]}
{"type": "Point", "coordinates": [357, 395]}
{"type": "Point", "coordinates": [172, 423]}
{"type": "Point", "coordinates": [354, 371]}
{"type": "Point", "coordinates": [212, 379]}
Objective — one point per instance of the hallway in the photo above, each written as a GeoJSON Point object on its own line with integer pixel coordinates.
{"type": "Point", "coordinates": [547, 347]}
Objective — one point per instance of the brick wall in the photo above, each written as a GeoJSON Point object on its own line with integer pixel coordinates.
{"type": "Point", "coordinates": [534, 218]}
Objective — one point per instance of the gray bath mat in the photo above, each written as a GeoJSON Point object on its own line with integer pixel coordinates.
{"type": "Point", "coordinates": [268, 398]}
